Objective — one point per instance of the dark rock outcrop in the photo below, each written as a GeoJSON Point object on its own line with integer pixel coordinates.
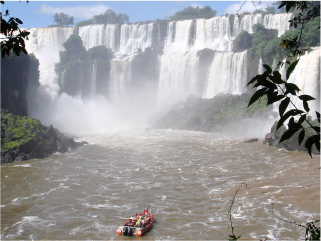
{"type": "Point", "coordinates": [252, 140]}
{"type": "Point", "coordinates": [25, 138]}
{"type": "Point", "coordinates": [292, 144]}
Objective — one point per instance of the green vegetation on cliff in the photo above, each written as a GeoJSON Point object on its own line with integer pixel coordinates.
{"type": "Point", "coordinates": [17, 129]}
{"type": "Point", "coordinates": [24, 138]}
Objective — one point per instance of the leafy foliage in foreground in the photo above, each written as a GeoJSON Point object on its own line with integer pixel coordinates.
{"type": "Point", "coordinates": [271, 84]}
{"type": "Point", "coordinates": [11, 40]}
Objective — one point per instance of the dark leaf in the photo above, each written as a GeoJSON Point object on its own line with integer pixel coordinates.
{"type": "Point", "coordinates": [291, 88]}
{"type": "Point", "coordinates": [288, 7]}
{"type": "Point", "coordinates": [253, 80]}
{"type": "Point", "coordinates": [284, 104]}
{"type": "Point", "coordinates": [316, 128]}
{"type": "Point", "coordinates": [317, 142]}
{"type": "Point", "coordinates": [306, 106]}
{"type": "Point", "coordinates": [256, 96]}
{"type": "Point", "coordinates": [286, 135]}
{"type": "Point", "coordinates": [291, 123]}
{"type": "Point", "coordinates": [268, 68]}
{"type": "Point", "coordinates": [306, 97]}
{"type": "Point", "coordinates": [19, 21]}
{"type": "Point", "coordinates": [301, 136]}
{"type": "Point", "coordinates": [282, 5]}
{"type": "Point", "coordinates": [276, 78]}
{"type": "Point", "coordinates": [267, 84]}
{"type": "Point", "coordinates": [292, 112]}
{"type": "Point", "coordinates": [308, 144]}
{"type": "Point", "coordinates": [291, 68]}
{"type": "Point", "coordinates": [302, 119]}
{"type": "Point", "coordinates": [24, 50]}
{"type": "Point", "coordinates": [318, 116]}
{"type": "Point", "coordinates": [274, 99]}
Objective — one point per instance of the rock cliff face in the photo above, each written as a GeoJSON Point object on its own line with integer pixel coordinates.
{"type": "Point", "coordinates": [19, 78]}
{"type": "Point", "coordinates": [14, 83]}
{"type": "Point", "coordinates": [25, 138]}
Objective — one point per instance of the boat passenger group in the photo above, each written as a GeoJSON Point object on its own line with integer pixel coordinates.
{"type": "Point", "coordinates": [139, 220]}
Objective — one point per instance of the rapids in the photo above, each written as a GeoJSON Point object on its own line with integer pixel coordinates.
{"type": "Point", "coordinates": [187, 178]}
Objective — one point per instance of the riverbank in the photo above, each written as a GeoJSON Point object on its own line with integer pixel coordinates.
{"type": "Point", "coordinates": [24, 138]}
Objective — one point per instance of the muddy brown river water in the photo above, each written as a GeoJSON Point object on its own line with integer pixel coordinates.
{"type": "Point", "coordinates": [187, 178]}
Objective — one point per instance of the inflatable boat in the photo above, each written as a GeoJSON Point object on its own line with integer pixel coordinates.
{"type": "Point", "coordinates": [138, 224]}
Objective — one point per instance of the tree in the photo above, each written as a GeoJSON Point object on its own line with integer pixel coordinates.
{"type": "Point", "coordinates": [12, 41]}
{"type": "Point", "coordinates": [257, 11]}
{"type": "Point", "coordinates": [242, 41]}
{"type": "Point", "coordinates": [109, 17]}
{"type": "Point", "coordinates": [270, 10]}
{"type": "Point", "coordinates": [276, 89]}
{"type": "Point", "coordinates": [193, 13]}
{"type": "Point", "coordinates": [84, 23]}
{"type": "Point", "coordinates": [62, 20]}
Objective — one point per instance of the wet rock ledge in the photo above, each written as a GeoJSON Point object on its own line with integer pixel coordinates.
{"type": "Point", "coordinates": [24, 138]}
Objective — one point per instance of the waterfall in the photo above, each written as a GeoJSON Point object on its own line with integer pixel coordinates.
{"type": "Point", "coordinates": [120, 80]}
{"type": "Point", "coordinates": [94, 79]}
{"type": "Point", "coordinates": [236, 26]}
{"type": "Point", "coordinates": [248, 21]}
{"type": "Point", "coordinates": [100, 34]}
{"type": "Point", "coordinates": [227, 74]}
{"type": "Point", "coordinates": [46, 43]}
{"type": "Point", "coordinates": [306, 76]}
{"type": "Point", "coordinates": [135, 36]}
{"type": "Point", "coordinates": [178, 74]}
{"type": "Point", "coordinates": [282, 70]}
{"type": "Point", "coordinates": [181, 40]}
{"type": "Point", "coordinates": [278, 21]}
{"type": "Point", "coordinates": [260, 68]}
{"type": "Point", "coordinates": [214, 34]}
{"type": "Point", "coordinates": [124, 40]}
{"type": "Point", "coordinates": [274, 65]}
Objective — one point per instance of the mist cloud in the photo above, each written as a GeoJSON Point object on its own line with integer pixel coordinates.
{"type": "Point", "coordinates": [82, 12]}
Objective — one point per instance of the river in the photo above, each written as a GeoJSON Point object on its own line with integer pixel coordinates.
{"type": "Point", "coordinates": [186, 178]}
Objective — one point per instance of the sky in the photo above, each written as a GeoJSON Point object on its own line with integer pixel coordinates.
{"type": "Point", "coordinates": [36, 14]}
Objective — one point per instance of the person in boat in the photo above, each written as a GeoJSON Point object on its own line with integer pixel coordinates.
{"type": "Point", "coordinates": [139, 223]}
